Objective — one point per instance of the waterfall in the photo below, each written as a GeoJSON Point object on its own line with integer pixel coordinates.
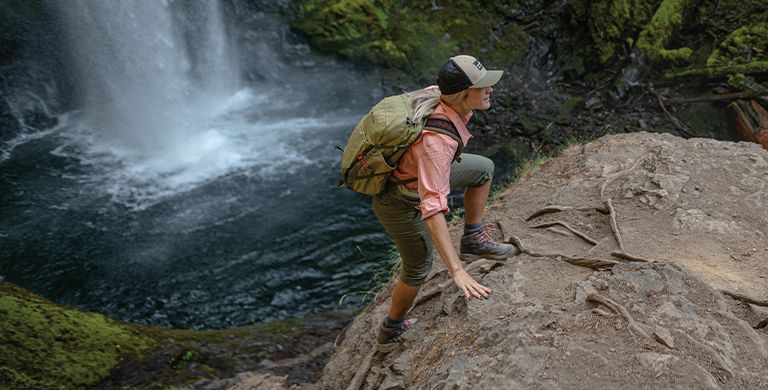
{"type": "Point", "coordinates": [149, 70]}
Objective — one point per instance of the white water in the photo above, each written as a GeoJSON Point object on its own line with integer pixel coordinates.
{"type": "Point", "coordinates": [163, 112]}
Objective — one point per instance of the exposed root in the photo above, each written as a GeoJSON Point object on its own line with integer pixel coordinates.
{"type": "Point", "coordinates": [745, 299]}
{"type": "Point", "coordinates": [558, 231]}
{"type": "Point", "coordinates": [614, 224]}
{"type": "Point", "coordinates": [596, 264]}
{"type": "Point", "coordinates": [620, 310]}
{"type": "Point", "coordinates": [627, 256]}
{"type": "Point", "coordinates": [573, 230]}
{"type": "Point", "coordinates": [362, 371]}
{"type": "Point", "coordinates": [713, 355]}
{"type": "Point", "coordinates": [601, 312]}
{"type": "Point", "coordinates": [618, 174]}
{"type": "Point", "coordinates": [547, 210]}
{"type": "Point", "coordinates": [761, 324]}
{"type": "Point", "coordinates": [482, 266]}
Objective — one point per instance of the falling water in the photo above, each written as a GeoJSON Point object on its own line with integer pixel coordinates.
{"type": "Point", "coordinates": [149, 69]}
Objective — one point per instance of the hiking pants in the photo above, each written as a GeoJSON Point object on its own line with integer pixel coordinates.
{"type": "Point", "coordinates": [395, 207]}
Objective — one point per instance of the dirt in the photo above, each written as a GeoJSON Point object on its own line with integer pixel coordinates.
{"type": "Point", "coordinates": [695, 209]}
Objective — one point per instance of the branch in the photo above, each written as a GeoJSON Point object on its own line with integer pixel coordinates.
{"type": "Point", "coordinates": [679, 125]}
{"type": "Point", "coordinates": [716, 98]}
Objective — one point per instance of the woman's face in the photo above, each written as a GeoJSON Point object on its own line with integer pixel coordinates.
{"type": "Point", "coordinates": [479, 98]}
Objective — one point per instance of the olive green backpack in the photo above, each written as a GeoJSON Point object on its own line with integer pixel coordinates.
{"type": "Point", "coordinates": [380, 139]}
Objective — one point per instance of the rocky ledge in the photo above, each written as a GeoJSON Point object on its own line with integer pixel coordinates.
{"type": "Point", "coordinates": [644, 265]}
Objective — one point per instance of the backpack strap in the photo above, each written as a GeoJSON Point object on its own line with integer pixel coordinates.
{"type": "Point", "coordinates": [445, 126]}
{"type": "Point", "coordinates": [442, 126]}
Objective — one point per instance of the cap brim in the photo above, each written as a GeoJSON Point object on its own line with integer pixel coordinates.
{"type": "Point", "coordinates": [490, 79]}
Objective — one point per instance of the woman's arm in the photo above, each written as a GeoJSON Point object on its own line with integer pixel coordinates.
{"type": "Point", "coordinates": [438, 230]}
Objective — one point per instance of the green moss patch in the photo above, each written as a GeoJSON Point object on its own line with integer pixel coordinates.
{"type": "Point", "coordinates": [57, 346]}
{"type": "Point", "coordinates": [666, 21]}
{"type": "Point", "coordinates": [413, 38]}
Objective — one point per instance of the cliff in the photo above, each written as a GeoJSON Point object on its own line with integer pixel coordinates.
{"type": "Point", "coordinates": [635, 250]}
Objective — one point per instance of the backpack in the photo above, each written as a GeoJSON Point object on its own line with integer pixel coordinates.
{"type": "Point", "coordinates": [380, 139]}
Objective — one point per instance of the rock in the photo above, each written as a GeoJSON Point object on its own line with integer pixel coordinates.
{"type": "Point", "coordinates": [554, 338]}
{"type": "Point", "coordinates": [663, 336]}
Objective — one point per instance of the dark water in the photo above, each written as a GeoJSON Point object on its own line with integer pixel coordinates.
{"type": "Point", "coordinates": [165, 202]}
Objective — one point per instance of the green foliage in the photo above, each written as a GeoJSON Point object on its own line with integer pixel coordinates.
{"type": "Point", "coordinates": [184, 359]}
{"type": "Point", "coordinates": [614, 24]}
{"type": "Point", "coordinates": [57, 346]}
{"type": "Point", "coordinates": [744, 45]}
{"type": "Point", "coordinates": [410, 37]}
{"type": "Point", "coordinates": [667, 20]}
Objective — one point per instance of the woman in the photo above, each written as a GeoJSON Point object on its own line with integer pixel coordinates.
{"type": "Point", "coordinates": [413, 213]}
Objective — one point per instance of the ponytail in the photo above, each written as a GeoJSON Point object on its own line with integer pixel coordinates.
{"type": "Point", "coordinates": [423, 101]}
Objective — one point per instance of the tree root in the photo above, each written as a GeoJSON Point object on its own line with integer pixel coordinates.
{"type": "Point", "coordinates": [721, 97]}
{"type": "Point", "coordinates": [761, 324]}
{"type": "Point", "coordinates": [614, 224]}
{"type": "Point", "coordinates": [745, 299]}
{"type": "Point", "coordinates": [573, 230]}
{"type": "Point", "coordinates": [627, 256]}
{"type": "Point", "coordinates": [547, 210]}
{"type": "Point", "coordinates": [620, 310]}
{"type": "Point", "coordinates": [483, 266]}
{"type": "Point", "coordinates": [558, 231]}
{"type": "Point", "coordinates": [710, 351]}
{"type": "Point", "coordinates": [618, 174]}
{"type": "Point", "coordinates": [362, 371]}
{"type": "Point", "coordinates": [596, 264]}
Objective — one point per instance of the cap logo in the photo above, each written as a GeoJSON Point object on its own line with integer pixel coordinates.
{"type": "Point", "coordinates": [478, 65]}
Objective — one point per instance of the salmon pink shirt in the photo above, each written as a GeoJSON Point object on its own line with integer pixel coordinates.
{"type": "Point", "coordinates": [429, 160]}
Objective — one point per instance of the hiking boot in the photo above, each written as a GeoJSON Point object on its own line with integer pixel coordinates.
{"type": "Point", "coordinates": [481, 245]}
{"type": "Point", "coordinates": [389, 338]}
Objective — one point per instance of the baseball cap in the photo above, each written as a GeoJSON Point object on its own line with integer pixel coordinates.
{"type": "Point", "coordinates": [462, 72]}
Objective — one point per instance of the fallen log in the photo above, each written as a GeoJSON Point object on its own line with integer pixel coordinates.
{"type": "Point", "coordinates": [720, 97]}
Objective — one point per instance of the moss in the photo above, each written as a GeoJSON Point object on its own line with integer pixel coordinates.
{"type": "Point", "coordinates": [599, 34]}
{"type": "Point", "coordinates": [55, 345]}
{"type": "Point", "coordinates": [614, 24]}
{"type": "Point", "coordinates": [744, 45]}
{"type": "Point", "coordinates": [666, 21]}
{"type": "Point", "coordinates": [755, 67]}
{"type": "Point", "coordinates": [410, 37]}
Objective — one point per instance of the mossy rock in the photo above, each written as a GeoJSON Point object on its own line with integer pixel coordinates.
{"type": "Point", "coordinates": [412, 38]}
{"type": "Point", "coordinates": [745, 45]}
{"type": "Point", "coordinates": [53, 345]}
{"type": "Point", "coordinates": [666, 21]}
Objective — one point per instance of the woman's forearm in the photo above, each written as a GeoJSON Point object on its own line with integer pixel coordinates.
{"type": "Point", "coordinates": [438, 230]}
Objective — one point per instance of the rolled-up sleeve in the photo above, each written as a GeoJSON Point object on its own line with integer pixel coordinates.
{"type": "Point", "coordinates": [434, 162]}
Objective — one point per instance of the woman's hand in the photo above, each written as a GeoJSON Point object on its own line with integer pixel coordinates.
{"type": "Point", "coordinates": [438, 229]}
{"type": "Point", "coordinates": [469, 287]}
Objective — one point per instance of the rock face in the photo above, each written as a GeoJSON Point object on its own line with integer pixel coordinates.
{"type": "Point", "coordinates": [695, 210]}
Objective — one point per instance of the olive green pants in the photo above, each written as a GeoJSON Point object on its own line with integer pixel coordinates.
{"type": "Point", "coordinates": [395, 207]}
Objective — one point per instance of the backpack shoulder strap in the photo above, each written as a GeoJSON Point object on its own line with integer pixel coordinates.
{"type": "Point", "coordinates": [445, 126]}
